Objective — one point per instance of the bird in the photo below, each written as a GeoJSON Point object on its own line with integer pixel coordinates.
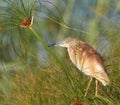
{"type": "Point", "coordinates": [87, 60]}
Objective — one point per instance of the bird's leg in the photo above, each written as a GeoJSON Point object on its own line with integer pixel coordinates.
{"type": "Point", "coordinates": [96, 88]}
{"type": "Point", "coordinates": [88, 86]}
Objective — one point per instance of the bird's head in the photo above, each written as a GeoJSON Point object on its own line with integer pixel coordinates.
{"type": "Point", "coordinates": [67, 42]}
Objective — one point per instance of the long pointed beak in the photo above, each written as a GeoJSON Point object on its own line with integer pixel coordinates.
{"type": "Point", "coordinates": [54, 44]}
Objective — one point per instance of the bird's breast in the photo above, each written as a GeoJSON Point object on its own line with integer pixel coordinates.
{"type": "Point", "coordinates": [76, 57]}
{"type": "Point", "coordinates": [79, 59]}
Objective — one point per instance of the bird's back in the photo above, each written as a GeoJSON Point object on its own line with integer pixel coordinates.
{"type": "Point", "coordinates": [88, 61]}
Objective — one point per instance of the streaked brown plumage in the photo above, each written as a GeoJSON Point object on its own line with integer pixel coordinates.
{"type": "Point", "coordinates": [86, 59]}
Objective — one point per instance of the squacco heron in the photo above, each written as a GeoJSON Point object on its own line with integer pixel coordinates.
{"type": "Point", "coordinates": [87, 60]}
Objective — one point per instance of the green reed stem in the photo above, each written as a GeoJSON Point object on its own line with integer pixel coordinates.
{"type": "Point", "coordinates": [47, 48]}
{"type": "Point", "coordinates": [69, 75]}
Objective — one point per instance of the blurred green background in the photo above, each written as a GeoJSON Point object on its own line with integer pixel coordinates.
{"type": "Point", "coordinates": [33, 74]}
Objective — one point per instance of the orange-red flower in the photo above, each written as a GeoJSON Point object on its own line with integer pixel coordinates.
{"type": "Point", "coordinates": [27, 22]}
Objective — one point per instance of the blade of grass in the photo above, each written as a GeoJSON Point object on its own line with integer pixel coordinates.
{"type": "Point", "coordinates": [105, 100]}
{"type": "Point", "coordinates": [69, 75]}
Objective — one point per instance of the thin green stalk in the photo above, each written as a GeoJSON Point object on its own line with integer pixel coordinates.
{"type": "Point", "coordinates": [47, 48]}
{"type": "Point", "coordinates": [69, 76]}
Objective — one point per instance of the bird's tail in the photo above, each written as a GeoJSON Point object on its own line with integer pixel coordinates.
{"type": "Point", "coordinates": [103, 78]}
{"type": "Point", "coordinates": [105, 82]}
